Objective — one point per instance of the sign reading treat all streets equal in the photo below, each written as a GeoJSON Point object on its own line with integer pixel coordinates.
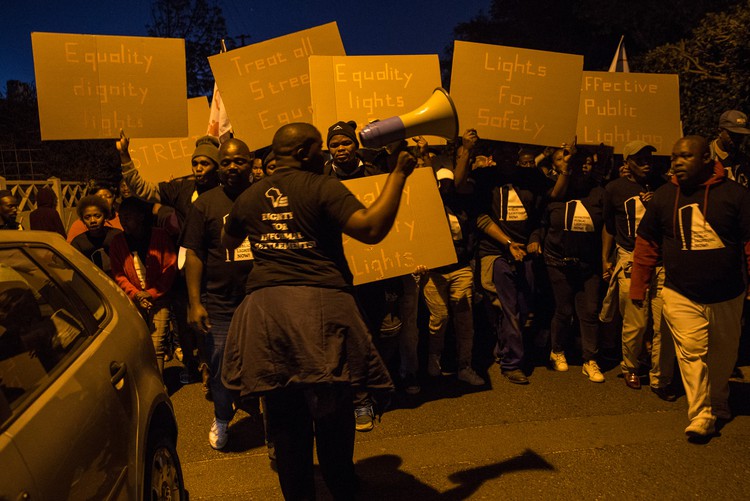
{"type": "Point", "coordinates": [267, 84]}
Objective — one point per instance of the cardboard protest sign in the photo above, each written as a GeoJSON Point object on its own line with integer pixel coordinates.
{"type": "Point", "coordinates": [617, 108]}
{"type": "Point", "coordinates": [163, 159]}
{"type": "Point", "coordinates": [366, 88]}
{"type": "Point", "coordinates": [91, 86]}
{"type": "Point", "coordinates": [420, 235]}
{"type": "Point", "coordinates": [517, 95]}
{"type": "Point", "coordinates": [267, 84]}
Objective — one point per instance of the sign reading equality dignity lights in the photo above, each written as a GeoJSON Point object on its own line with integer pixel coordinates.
{"type": "Point", "coordinates": [518, 95]}
{"type": "Point", "coordinates": [420, 234]}
{"type": "Point", "coordinates": [267, 84]}
{"type": "Point", "coordinates": [366, 88]}
{"type": "Point", "coordinates": [170, 157]}
{"type": "Point", "coordinates": [91, 86]}
{"type": "Point", "coordinates": [617, 108]}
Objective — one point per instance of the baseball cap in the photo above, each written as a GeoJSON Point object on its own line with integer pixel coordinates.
{"type": "Point", "coordinates": [444, 174]}
{"type": "Point", "coordinates": [634, 147]}
{"type": "Point", "coordinates": [734, 121]}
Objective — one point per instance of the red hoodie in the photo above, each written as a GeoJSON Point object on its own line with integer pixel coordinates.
{"type": "Point", "coordinates": [703, 236]}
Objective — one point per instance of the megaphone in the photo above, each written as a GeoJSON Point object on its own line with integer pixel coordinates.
{"type": "Point", "coordinates": [436, 117]}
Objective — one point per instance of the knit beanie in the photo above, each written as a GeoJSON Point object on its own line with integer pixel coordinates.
{"type": "Point", "coordinates": [348, 129]}
{"type": "Point", "coordinates": [207, 146]}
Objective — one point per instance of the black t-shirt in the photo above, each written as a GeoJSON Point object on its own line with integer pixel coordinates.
{"type": "Point", "coordinates": [624, 209]}
{"type": "Point", "coordinates": [461, 213]}
{"type": "Point", "coordinates": [293, 220]}
{"type": "Point", "coordinates": [513, 197]}
{"type": "Point", "coordinates": [702, 236]}
{"type": "Point", "coordinates": [574, 230]}
{"type": "Point", "coordinates": [96, 248]}
{"type": "Point", "coordinates": [224, 272]}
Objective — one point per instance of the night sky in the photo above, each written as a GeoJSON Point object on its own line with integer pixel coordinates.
{"type": "Point", "coordinates": [367, 28]}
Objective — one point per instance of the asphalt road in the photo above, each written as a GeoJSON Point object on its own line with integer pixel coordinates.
{"type": "Point", "coordinates": [560, 437]}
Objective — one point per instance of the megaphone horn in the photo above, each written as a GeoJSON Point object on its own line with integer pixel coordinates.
{"type": "Point", "coordinates": [436, 117]}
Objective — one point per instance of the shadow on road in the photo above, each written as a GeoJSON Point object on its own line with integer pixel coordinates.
{"type": "Point", "coordinates": [382, 478]}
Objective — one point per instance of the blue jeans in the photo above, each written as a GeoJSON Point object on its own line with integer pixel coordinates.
{"type": "Point", "coordinates": [514, 283]}
{"type": "Point", "coordinates": [214, 346]}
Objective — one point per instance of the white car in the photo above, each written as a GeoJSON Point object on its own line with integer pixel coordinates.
{"type": "Point", "coordinates": [83, 410]}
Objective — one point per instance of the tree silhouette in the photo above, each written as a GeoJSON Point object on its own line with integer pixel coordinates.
{"type": "Point", "coordinates": [203, 26]}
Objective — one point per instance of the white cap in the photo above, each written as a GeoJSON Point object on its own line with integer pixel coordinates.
{"type": "Point", "coordinates": [444, 174]}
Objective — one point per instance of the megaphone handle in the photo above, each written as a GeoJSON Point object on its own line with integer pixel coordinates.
{"type": "Point", "coordinates": [383, 132]}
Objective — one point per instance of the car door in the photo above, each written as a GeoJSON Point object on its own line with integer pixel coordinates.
{"type": "Point", "coordinates": [65, 375]}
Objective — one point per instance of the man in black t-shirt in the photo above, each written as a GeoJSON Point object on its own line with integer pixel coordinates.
{"type": "Point", "coordinates": [511, 203]}
{"type": "Point", "coordinates": [700, 224]}
{"type": "Point", "coordinates": [297, 337]}
{"type": "Point", "coordinates": [216, 276]}
{"type": "Point", "coordinates": [727, 147]}
{"type": "Point", "coordinates": [625, 204]}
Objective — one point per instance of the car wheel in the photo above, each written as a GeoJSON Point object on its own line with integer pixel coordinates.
{"type": "Point", "coordinates": [163, 476]}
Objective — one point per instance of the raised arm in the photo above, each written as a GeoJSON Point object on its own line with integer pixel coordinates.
{"type": "Point", "coordinates": [142, 188]}
{"type": "Point", "coordinates": [372, 224]}
{"type": "Point", "coordinates": [461, 171]}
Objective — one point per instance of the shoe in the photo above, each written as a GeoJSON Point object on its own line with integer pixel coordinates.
{"type": "Point", "coordinates": [186, 377]}
{"type": "Point", "coordinates": [515, 376]}
{"type": "Point", "coordinates": [666, 393]}
{"type": "Point", "coordinates": [219, 434]}
{"type": "Point", "coordinates": [592, 370]}
{"type": "Point", "coordinates": [411, 385]}
{"type": "Point", "coordinates": [364, 418]}
{"type": "Point", "coordinates": [178, 354]}
{"type": "Point", "coordinates": [467, 375]}
{"type": "Point", "coordinates": [559, 363]}
{"type": "Point", "coordinates": [433, 366]}
{"type": "Point", "coordinates": [632, 380]}
{"type": "Point", "coordinates": [167, 357]}
{"type": "Point", "coordinates": [700, 428]}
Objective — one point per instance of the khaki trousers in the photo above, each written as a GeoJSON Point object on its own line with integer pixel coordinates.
{"type": "Point", "coordinates": [706, 337]}
{"type": "Point", "coordinates": [635, 321]}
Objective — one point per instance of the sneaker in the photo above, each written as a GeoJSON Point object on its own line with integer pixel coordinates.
{"type": "Point", "coordinates": [467, 375]}
{"type": "Point", "coordinates": [186, 377]}
{"type": "Point", "coordinates": [219, 434]}
{"type": "Point", "coordinates": [700, 428]}
{"type": "Point", "coordinates": [559, 363]}
{"type": "Point", "coordinates": [411, 385]}
{"type": "Point", "coordinates": [364, 418]}
{"type": "Point", "coordinates": [433, 366]}
{"type": "Point", "coordinates": [592, 370]}
{"type": "Point", "coordinates": [515, 376]}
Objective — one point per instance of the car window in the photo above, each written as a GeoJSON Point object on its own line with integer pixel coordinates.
{"type": "Point", "coordinates": [41, 329]}
{"type": "Point", "coordinates": [64, 274]}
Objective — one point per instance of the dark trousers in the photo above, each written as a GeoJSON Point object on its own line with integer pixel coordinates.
{"type": "Point", "coordinates": [215, 340]}
{"type": "Point", "coordinates": [514, 283]}
{"type": "Point", "coordinates": [296, 418]}
{"type": "Point", "coordinates": [576, 288]}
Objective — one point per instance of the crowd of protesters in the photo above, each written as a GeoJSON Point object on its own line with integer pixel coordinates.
{"type": "Point", "coordinates": [559, 251]}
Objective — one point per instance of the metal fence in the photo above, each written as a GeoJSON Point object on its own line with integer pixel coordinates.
{"type": "Point", "coordinates": [69, 193]}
